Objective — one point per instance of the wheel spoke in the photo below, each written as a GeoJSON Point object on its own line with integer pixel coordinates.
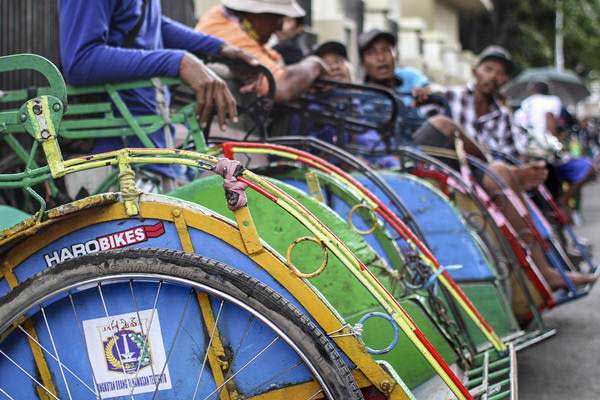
{"type": "Point", "coordinates": [30, 337]}
{"type": "Point", "coordinates": [177, 332]}
{"type": "Point", "coordinates": [280, 374]}
{"type": "Point", "coordinates": [114, 335]}
{"type": "Point", "coordinates": [218, 389]}
{"type": "Point", "coordinates": [28, 374]}
{"type": "Point", "coordinates": [315, 394]}
{"type": "Point", "coordinates": [246, 331]}
{"type": "Point", "coordinates": [96, 299]}
{"type": "Point", "coordinates": [137, 313]}
{"type": "Point", "coordinates": [6, 394]}
{"type": "Point", "coordinates": [80, 330]}
{"type": "Point", "coordinates": [62, 372]}
{"type": "Point", "coordinates": [212, 335]}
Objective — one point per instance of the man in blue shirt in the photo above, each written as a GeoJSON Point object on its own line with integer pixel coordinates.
{"type": "Point", "coordinates": [104, 41]}
{"type": "Point", "coordinates": [376, 49]}
{"type": "Point", "coordinates": [377, 56]}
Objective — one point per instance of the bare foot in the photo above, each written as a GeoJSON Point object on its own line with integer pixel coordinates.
{"type": "Point", "coordinates": [556, 282]}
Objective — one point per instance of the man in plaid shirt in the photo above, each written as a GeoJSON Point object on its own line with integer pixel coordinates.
{"type": "Point", "coordinates": [482, 121]}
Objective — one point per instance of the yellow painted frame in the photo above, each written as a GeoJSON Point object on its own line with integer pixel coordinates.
{"type": "Point", "coordinates": [102, 208]}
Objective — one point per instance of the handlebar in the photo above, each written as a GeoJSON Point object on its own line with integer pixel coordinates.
{"type": "Point", "coordinates": [437, 99]}
{"type": "Point", "coordinates": [374, 91]}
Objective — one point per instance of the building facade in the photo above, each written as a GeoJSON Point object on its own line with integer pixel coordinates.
{"type": "Point", "coordinates": [427, 30]}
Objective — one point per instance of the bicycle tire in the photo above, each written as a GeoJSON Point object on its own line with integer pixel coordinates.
{"type": "Point", "coordinates": [313, 343]}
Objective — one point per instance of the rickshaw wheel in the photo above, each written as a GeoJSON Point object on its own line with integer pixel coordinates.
{"type": "Point", "coordinates": [107, 279]}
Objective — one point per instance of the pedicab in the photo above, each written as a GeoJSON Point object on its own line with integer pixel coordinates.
{"type": "Point", "coordinates": [70, 283]}
{"type": "Point", "coordinates": [341, 115]}
{"type": "Point", "coordinates": [539, 294]}
{"type": "Point", "coordinates": [557, 218]}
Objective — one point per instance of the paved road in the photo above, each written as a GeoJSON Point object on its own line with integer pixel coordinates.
{"type": "Point", "coordinates": [568, 365]}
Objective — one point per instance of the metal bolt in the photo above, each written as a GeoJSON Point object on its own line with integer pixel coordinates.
{"type": "Point", "coordinates": [37, 109]}
{"type": "Point", "coordinates": [176, 213]}
{"type": "Point", "coordinates": [56, 106]}
{"type": "Point", "coordinates": [45, 134]}
{"type": "Point", "coordinates": [386, 386]}
{"type": "Point", "coordinates": [23, 117]}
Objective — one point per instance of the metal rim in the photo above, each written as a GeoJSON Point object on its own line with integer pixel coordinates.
{"type": "Point", "coordinates": [119, 278]}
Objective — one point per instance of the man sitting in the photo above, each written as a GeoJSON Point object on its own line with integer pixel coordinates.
{"type": "Point", "coordinates": [539, 114]}
{"type": "Point", "coordinates": [249, 24]}
{"type": "Point", "coordinates": [486, 123]}
{"type": "Point", "coordinates": [104, 41]}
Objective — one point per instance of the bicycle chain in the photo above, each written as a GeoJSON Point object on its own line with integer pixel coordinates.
{"type": "Point", "coordinates": [437, 306]}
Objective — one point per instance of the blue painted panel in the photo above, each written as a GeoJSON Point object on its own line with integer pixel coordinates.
{"type": "Point", "coordinates": [13, 381]}
{"type": "Point", "coordinates": [4, 288]}
{"type": "Point", "coordinates": [184, 347]}
{"type": "Point", "coordinates": [448, 237]}
{"type": "Point", "coordinates": [554, 258]}
{"type": "Point", "coordinates": [186, 358]}
{"type": "Point", "coordinates": [96, 237]}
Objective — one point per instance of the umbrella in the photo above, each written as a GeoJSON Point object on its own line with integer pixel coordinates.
{"type": "Point", "coordinates": [567, 85]}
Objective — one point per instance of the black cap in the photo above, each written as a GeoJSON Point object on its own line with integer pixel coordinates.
{"type": "Point", "coordinates": [331, 47]}
{"type": "Point", "coordinates": [367, 38]}
{"type": "Point", "coordinates": [498, 53]}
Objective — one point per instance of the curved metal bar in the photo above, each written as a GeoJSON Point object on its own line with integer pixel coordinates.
{"type": "Point", "coordinates": [230, 148]}
{"type": "Point", "coordinates": [295, 270]}
{"type": "Point", "coordinates": [376, 224]}
{"type": "Point", "coordinates": [375, 90]}
{"type": "Point", "coordinates": [334, 152]}
{"type": "Point", "coordinates": [394, 341]}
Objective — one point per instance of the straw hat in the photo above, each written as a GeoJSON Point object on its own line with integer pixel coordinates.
{"type": "Point", "coordinates": [289, 8]}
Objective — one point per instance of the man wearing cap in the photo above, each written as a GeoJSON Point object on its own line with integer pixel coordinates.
{"type": "Point", "coordinates": [248, 24]}
{"type": "Point", "coordinates": [486, 123]}
{"type": "Point", "coordinates": [477, 108]}
{"type": "Point", "coordinates": [335, 55]}
{"type": "Point", "coordinates": [377, 55]}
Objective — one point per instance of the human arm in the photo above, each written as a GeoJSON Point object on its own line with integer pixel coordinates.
{"type": "Point", "coordinates": [551, 124]}
{"type": "Point", "coordinates": [210, 91]}
{"type": "Point", "coordinates": [531, 175]}
{"type": "Point", "coordinates": [298, 78]}
{"type": "Point", "coordinates": [417, 81]}
{"type": "Point", "coordinates": [89, 59]}
{"type": "Point", "coordinates": [179, 36]}
{"type": "Point", "coordinates": [87, 56]}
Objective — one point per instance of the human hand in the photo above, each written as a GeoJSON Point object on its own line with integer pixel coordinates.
{"type": "Point", "coordinates": [325, 71]}
{"type": "Point", "coordinates": [421, 95]}
{"type": "Point", "coordinates": [210, 91]}
{"type": "Point", "coordinates": [532, 175]}
{"type": "Point", "coordinates": [235, 53]}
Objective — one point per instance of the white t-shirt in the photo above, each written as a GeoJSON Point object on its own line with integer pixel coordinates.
{"type": "Point", "coordinates": [533, 111]}
{"type": "Point", "coordinates": [533, 117]}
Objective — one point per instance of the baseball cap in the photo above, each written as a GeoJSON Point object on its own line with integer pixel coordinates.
{"type": "Point", "coordinates": [367, 38]}
{"type": "Point", "coordinates": [497, 53]}
{"type": "Point", "coordinates": [331, 46]}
